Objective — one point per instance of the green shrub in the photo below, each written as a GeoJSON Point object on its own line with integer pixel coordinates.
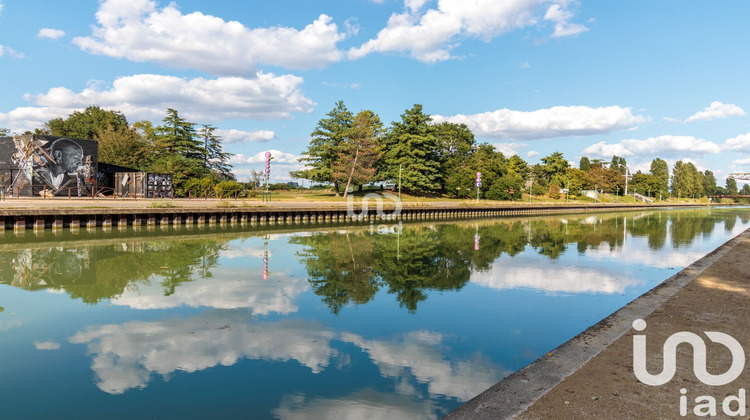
{"type": "Point", "coordinates": [228, 189]}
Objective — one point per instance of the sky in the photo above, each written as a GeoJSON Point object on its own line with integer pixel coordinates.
{"type": "Point", "coordinates": [637, 79]}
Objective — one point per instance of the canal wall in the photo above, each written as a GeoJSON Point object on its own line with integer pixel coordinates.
{"type": "Point", "coordinates": [591, 376]}
{"type": "Point", "coordinates": [83, 217]}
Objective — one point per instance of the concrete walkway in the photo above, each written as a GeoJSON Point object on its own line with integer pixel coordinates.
{"type": "Point", "coordinates": [591, 376]}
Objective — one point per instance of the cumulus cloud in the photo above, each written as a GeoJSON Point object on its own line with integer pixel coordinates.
{"type": "Point", "coordinates": [532, 153]}
{"type": "Point", "coordinates": [428, 34]}
{"type": "Point", "coordinates": [716, 110]}
{"type": "Point", "coordinates": [146, 96]}
{"type": "Point", "coordinates": [561, 17]}
{"type": "Point", "coordinates": [47, 345]}
{"type": "Point", "coordinates": [675, 146]}
{"type": "Point", "coordinates": [1, 8]}
{"type": "Point", "coordinates": [260, 157]}
{"type": "Point", "coordinates": [508, 149]}
{"type": "Point", "coordinates": [50, 33]}
{"type": "Point", "coordinates": [745, 161]}
{"type": "Point", "coordinates": [740, 143]}
{"type": "Point", "coordinates": [558, 121]}
{"type": "Point", "coordinates": [126, 356]}
{"type": "Point", "coordinates": [140, 31]}
{"type": "Point", "coordinates": [238, 136]}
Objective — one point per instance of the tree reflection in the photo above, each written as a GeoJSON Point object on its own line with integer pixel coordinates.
{"type": "Point", "coordinates": [352, 266]}
{"type": "Point", "coordinates": [94, 273]}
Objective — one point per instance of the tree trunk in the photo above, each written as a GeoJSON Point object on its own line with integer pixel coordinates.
{"type": "Point", "coordinates": [351, 173]}
{"type": "Point", "coordinates": [336, 188]}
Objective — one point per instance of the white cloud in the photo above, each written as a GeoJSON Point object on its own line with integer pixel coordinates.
{"type": "Point", "coordinates": [146, 96]}
{"type": "Point", "coordinates": [745, 161]}
{"type": "Point", "coordinates": [260, 157]}
{"type": "Point", "coordinates": [676, 146]}
{"type": "Point", "coordinates": [1, 8]}
{"type": "Point", "coordinates": [556, 13]}
{"type": "Point", "coordinates": [429, 34]}
{"type": "Point", "coordinates": [47, 345]}
{"type": "Point", "coordinates": [558, 121]}
{"type": "Point", "coordinates": [532, 153]}
{"type": "Point", "coordinates": [237, 136]}
{"type": "Point", "coordinates": [50, 33]}
{"type": "Point", "coordinates": [127, 356]}
{"type": "Point", "coordinates": [11, 52]}
{"type": "Point", "coordinates": [508, 149]}
{"type": "Point", "coordinates": [715, 111]}
{"type": "Point", "coordinates": [740, 143]}
{"type": "Point", "coordinates": [141, 31]}
{"type": "Point", "coordinates": [525, 65]}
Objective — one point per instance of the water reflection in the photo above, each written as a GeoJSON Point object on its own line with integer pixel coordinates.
{"type": "Point", "coordinates": [351, 265]}
{"type": "Point", "coordinates": [127, 356]}
{"type": "Point", "coordinates": [307, 320]}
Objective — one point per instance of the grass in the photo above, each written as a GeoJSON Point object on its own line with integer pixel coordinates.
{"type": "Point", "coordinates": [162, 205]}
{"type": "Point", "coordinates": [224, 204]}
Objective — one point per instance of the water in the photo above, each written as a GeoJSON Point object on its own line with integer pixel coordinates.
{"type": "Point", "coordinates": [382, 321]}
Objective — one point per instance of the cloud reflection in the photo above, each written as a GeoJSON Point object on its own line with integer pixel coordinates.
{"type": "Point", "coordinates": [520, 273]}
{"type": "Point", "coordinates": [229, 288]}
{"type": "Point", "coordinates": [419, 356]}
{"type": "Point", "coordinates": [126, 356]}
{"type": "Point", "coordinates": [366, 404]}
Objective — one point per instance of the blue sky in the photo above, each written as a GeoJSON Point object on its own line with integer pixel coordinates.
{"type": "Point", "coordinates": [640, 79]}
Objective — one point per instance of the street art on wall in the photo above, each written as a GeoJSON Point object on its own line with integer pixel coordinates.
{"type": "Point", "coordinates": [46, 166]}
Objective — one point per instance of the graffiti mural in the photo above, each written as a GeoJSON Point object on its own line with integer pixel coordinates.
{"type": "Point", "coordinates": [46, 166]}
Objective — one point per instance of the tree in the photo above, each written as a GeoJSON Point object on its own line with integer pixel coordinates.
{"type": "Point", "coordinates": [518, 166]}
{"type": "Point", "coordinates": [686, 180]}
{"type": "Point", "coordinates": [124, 147]}
{"type": "Point", "coordinates": [455, 145]}
{"type": "Point", "coordinates": [645, 184]}
{"type": "Point", "coordinates": [660, 170]}
{"type": "Point", "coordinates": [178, 136]}
{"type": "Point", "coordinates": [709, 183]}
{"type": "Point", "coordinates": [86, 124]}
{"type": "Point", "coordinates": [4, 131]}
{"type": "Point", "coordinates": [322, 153]}
{"type": "Point", "coordinates": [214, 157]}
{"type": "Point", "coordinates": [411, 145]}
{"type": "Point", "coordinates": [618, 164]}
{"type": "Point", "coordinates": [732, 186]}
{"type": "Point", "coordinates": [585, 164]}
{"type": "Point", "coordinates": [507, 187]}
{"type": "Point", "coordinates": [554, 168]}
{"type": "Point", "coordinates": [360, 150]}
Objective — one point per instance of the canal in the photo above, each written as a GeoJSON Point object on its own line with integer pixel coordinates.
{"type": "Point", "coordinates": [376, 321]}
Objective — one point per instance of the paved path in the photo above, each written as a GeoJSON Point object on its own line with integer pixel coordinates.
{"type": "Point", "coordinates": [591, 376]}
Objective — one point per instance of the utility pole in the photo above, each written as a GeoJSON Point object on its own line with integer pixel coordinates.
{"type": "Point", "coordinates": [399, 182]}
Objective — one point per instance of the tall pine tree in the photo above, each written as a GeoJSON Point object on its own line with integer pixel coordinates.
{"type": "Point", "coordinates": [412, 145]}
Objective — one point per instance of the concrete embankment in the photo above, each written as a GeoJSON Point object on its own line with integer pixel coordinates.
{"type": "Point", "coordinates": [592, 375]}
{"type": "Point", "coordinates": [74, 214]}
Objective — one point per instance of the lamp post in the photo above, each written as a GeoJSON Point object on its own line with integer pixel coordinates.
{"type": "Point", "coordinates": [531, 185]}
{"type": "Point", "coordinates": [399, 182]}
